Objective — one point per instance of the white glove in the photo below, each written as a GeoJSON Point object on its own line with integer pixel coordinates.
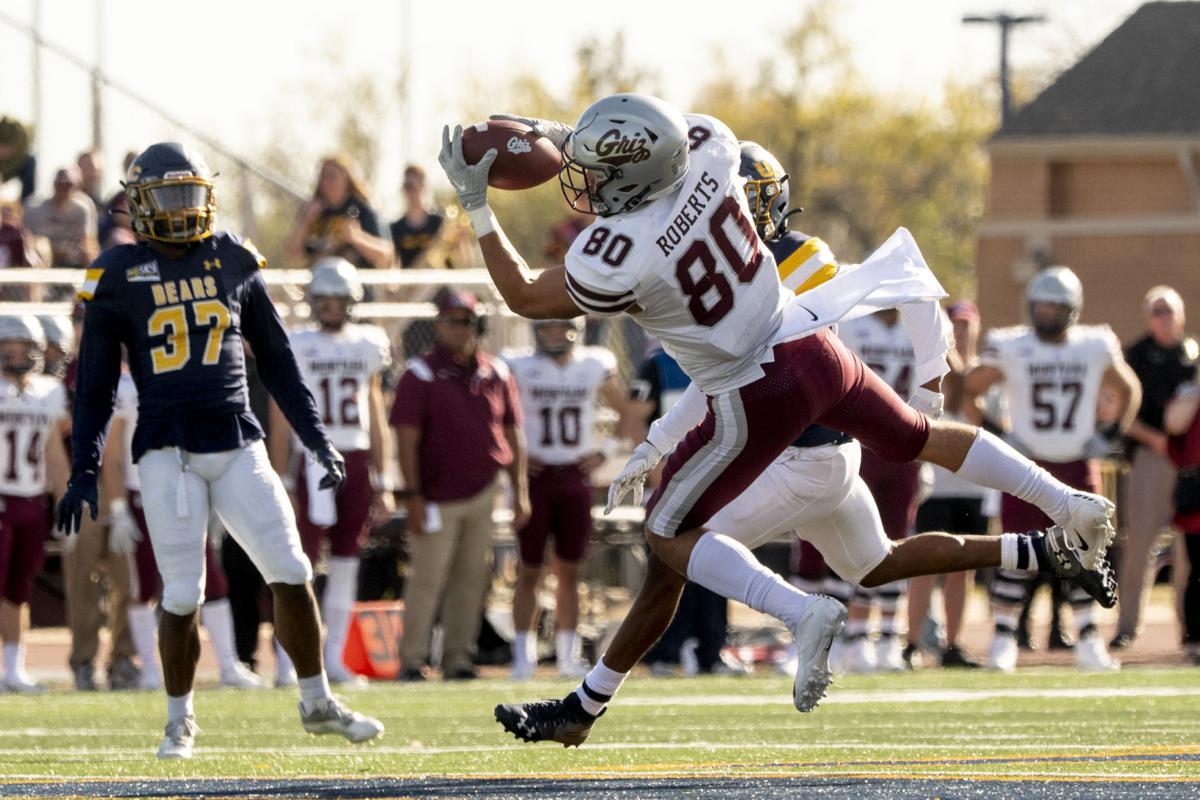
{"type": "Point", "coordinates": [633, 475]}
{"type": "Point", "coordinates": [123, 532]}
{"type": "Point", "coordinates": [931, 404]}
{"type": "Point", "coordinates": [470, 181]}
{"type": "Point", "coordinates": [556, 132]}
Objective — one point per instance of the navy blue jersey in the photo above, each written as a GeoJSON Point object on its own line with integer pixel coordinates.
{"type": "Point", "coordinates": [183, 322]}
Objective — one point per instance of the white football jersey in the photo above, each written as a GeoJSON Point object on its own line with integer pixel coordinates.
{"type": "Point", "coordinates": [126, 408]}
{"type": "Point", "coordinates": [1052, 389]}
{"type": "Point", "coordinates": [692, 262]}
{"type": "Point", "coordinates": [26, 420]}
{"type": "Point", "coordinates": [559, 401]}
{"type": "Point", "coordinates": [338, 368]}
{"type": "Point", "coordinates": [886, 350]}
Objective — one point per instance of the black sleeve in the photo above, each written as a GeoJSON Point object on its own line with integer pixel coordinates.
{"type": "Point", "coordinates": [98, 371]}
{"type": "Point", "coordinates": [367, 220]}
{"type": "Point", "coordinates": [277, 367]}
{"type": "Point", "coordinates": [647, 386]}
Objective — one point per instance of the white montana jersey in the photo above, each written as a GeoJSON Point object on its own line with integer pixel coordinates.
{"type": "Point", "coordinates": [338, 368]}
{"type": "Point", "coordinates": [1052, 388]}
{"type": "Point", "coordinates": [692, 262]}
{"type": "Point", "coordinates": [126, 408]}
{"type": "Point", "coordinates": [559, 401]}
{"type": "Point", "coordinates": [26, 420]}
{"type": "Point", "coordinates": [886, 350]}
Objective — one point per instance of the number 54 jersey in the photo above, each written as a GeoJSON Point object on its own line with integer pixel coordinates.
{"type": "Point", "coordinates": [338, 368]}
{"type": "Point", "coordinates": [690, 265]}
{"type": "Point", "coordinates": [1052, 388]}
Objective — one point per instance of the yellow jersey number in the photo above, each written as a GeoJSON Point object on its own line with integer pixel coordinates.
{"type": "Point", "coordinates": [172, 321]}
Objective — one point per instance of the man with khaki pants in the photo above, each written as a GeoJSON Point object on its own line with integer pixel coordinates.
{"type": "Point", "coordinates": [1162, 360]}
{"type": "Point", "coordinates": [458, 423]}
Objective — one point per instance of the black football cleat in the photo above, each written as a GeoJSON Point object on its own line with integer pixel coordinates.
{"type": "Point", "coordinates": [562, 720]}
{"type": "Point", "coordinates": [1065, 561]}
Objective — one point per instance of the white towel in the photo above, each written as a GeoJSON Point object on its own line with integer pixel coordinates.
{"type": "Point", "coordinates": [322, 508]}
{"type": "Point", "coordinates": [895, 273]}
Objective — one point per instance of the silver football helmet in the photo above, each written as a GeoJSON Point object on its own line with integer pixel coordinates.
{"type": "Point", "coordinates": [626, 150]}
{"type": "Point", "coordinates": [1062, 287]}
{"type": "Point", "coordinates": [59, 332]}
{"type": "Point", "coordinates": [23, 328]}
{"type": "Point", "coordinates": [335, 277]}
{"type": "Point", "coordinates": [574, 336]}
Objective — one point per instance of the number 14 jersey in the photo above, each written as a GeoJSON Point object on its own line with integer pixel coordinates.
{"type": "Point", "coordinates": [692, 263]}
{"type": "Point", "coordinates": [1052, 388]}
{"type": "Point", "coordinates": [338, 368]}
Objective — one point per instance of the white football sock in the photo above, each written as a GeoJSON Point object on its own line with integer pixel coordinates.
{"type": "Point", "coordinates": [599, 687]}
{"type": "Point", "coordinates": [217, 618]}
{"type": "Point", "coordinates": [341, 590]}
{"type": "Point", "coordinates": [857, 627]}
{"type": "Point", "coordinates": [566, 648]}
{"type": "Point", "coordinates": [992, 463]}
{"type": "Point", "coordinates": [314, 690]}
{"type": "Point", "coordinates": [143, 629]}
{"type": "Point", "coordinates": [525, 648]}
{"type": "Point", "coordinates": [179, 707]}
{"type": "Point", "coordinates": [727, 567]}
{"type": "Point", "coordinates": [1017, 552]}
{"type": "Point", "coordinates": [14, 660]}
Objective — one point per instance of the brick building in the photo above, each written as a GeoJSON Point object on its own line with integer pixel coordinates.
{"type": "Point", "coordinates": [1102, 173]}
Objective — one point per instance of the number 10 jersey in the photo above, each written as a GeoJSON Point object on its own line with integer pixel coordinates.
{"type": "Point", "coordinates": [559, 401]}
{"type": "Point", "coordinates": [1052, 388]}
{"type": "Point", "coordinates": [693, 266]}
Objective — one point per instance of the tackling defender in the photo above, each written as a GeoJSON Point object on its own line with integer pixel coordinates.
{"type": "Point", "coordinates": [674, 248]}
{"type": "Point", "coordinates": [181, 301]}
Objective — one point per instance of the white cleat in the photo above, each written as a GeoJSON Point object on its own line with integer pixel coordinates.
{"type": "Point", "coordinates": [149, 682]}
{"type": "Point", "coordinates": [338, 675]}
{"type": "Point", "coordinates": [522, 670]}
{"type": "Point", "coordinates": [857, 656]}
{"type": "Point", "coordinates": [178, 738]}
{"type": "Point", "coordinates": [285, 678]}
{"type": "Point", "coordinates": [330, 716]}
{"type": "Point", "coordinates": [1002, 654]}
{"type": "Point", "coordinates": [819, 624]}
{"type": "Point", "coordinates": [22, 684]}
{"type": "Point", "coordinates": [572, 669]}
{"type": "Point", "coordinates": [239, 676]}
{"type": "Point", "coordinates": [1092, 656]}
{"type": "Point", "coordinates": [1089, 527]}
{"type": "Point", "coordinates": [889, 654]}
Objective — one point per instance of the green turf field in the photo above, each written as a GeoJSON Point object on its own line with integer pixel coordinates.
{"type": "Point", "coordinates": [1137, 724]}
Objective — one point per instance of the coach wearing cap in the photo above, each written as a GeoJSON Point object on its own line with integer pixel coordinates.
{"type": "Point", "coordinates": [458, 423]}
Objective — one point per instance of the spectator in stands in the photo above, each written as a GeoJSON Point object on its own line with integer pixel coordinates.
{"type": "Point", "coordinates": [90, 164]}
{"type": "Point", "coordinates": [116, 226]}
{"type": "Point", "coordinates": [68, 220]}
{"type": "Point", "coordinates": [560, 237]}
{"type": "Point", "coordinates": [15, 159]}
{"type": "Point", "coordinates": [339, 221]}
{"type": "Point", "coordinates": [16, 242]}
{"type": "Point", "coordinates": [1182, 425]}
{"type": "Point", "coordinates": [1162, 360]}
{"type": "Point", "coordinates": [414, 232]}
{"type": "Point", "coordinates": [458, 423]}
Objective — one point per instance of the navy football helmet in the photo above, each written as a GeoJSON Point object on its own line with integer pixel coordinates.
{"type": "Point", "coordinates": [766, 190]}
{"type": "Point", "coordinates": [171, 195]}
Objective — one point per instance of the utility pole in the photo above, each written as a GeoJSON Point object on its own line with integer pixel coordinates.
{"type": "Point", "coordinates": [97, 83]}
{"type": "Point", "coordinates": [1006, 22]}
{"type": "Point", "coordinates": [36, 36]}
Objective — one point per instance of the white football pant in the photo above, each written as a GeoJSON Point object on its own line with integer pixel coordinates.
{"type": "Point", "coordinates": [816, 492]}
{"type": "Point", "coordinates": [179, 488]}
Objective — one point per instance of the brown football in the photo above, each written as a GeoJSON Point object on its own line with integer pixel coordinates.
{"type": "Point", "coordinates": [523, 158]}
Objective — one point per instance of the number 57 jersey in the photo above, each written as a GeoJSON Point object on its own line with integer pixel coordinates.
{"type": "Point", "coordinates": [1052, 388]}
{"type": "Point", "coordinates": [690, 266]}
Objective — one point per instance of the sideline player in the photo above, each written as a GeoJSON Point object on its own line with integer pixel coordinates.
{"type": "Point", "coordinates": [33, 419]}
{"type": "Point", "coordinates": [342, 362]}
{"type": "Point", "coordinates": [1053, 371]}
{"type": "Point", "coordinates": [560, 384]}
{"type": "Point", "coordinates": [673, 247]}
{"type": "Point", "coordinates": [182, 301]}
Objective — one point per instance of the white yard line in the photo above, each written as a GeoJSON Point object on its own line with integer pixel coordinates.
{"type": "Point", "coordinates": [913, 696]}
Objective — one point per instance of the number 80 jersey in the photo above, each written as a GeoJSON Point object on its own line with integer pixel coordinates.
{"type": "Point", "coordinates": [338, 368]}
{"type": "Point", "coordinates": [1052, 388]}
{"type": "Point", "coordinates": [693, 266]}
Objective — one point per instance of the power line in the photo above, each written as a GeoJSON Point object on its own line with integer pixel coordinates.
{"type": "Point", "coordinates": [1006, 22]}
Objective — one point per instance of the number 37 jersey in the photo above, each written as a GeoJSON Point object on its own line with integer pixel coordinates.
{"type": "Point", "coordinates": [338, 368]}
{"type": "Point", "coordinates": [690, 266]}
{"type": "Point", "coordinates": [1052, 388]}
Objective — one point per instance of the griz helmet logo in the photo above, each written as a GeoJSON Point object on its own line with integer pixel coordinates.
{"type": "Point", "coordinates": [615, 149]}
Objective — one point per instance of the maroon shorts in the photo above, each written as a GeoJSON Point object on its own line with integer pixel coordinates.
{"type": "Point", "coordinates": [146, 583]}
{"type": "Point", "coordinates": [1017, 516]}
{"type": "Point", "coordinates": [353, 502]}
{"type": "Point", "coordinates": [807, 561]}
{"type": "Point", "coordinates": [24, 526]}
{"type": "Point", "coordinates": [812, 379]}
{"type": "Point", "coordinates": [560, 501]}
{"type": "Point", "coordinates": [894, 487]}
